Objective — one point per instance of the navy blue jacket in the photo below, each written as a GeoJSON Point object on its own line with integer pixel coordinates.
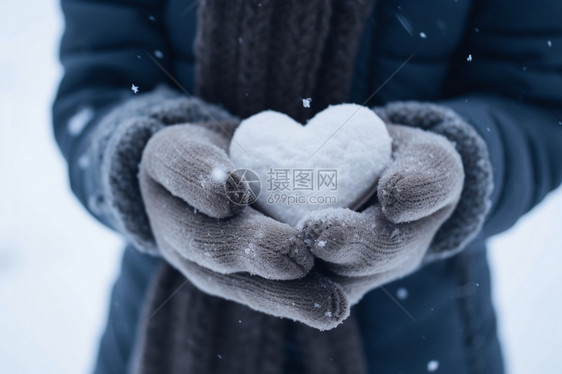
{"type": "Point", "coordinates": [498, 63]}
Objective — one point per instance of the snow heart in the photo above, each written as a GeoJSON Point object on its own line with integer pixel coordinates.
{"type": "Point", "coordinates": [333, 161]}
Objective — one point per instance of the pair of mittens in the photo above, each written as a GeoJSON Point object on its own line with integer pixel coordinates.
{"type": "Point", "coordinates": [315, 272]}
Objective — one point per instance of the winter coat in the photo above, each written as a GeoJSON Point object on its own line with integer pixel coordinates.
{"type": "Point", "coordinates": [496, 63]}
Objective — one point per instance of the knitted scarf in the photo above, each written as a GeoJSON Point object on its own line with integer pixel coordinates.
{"type": "Point", "coordinates": [254, 55]}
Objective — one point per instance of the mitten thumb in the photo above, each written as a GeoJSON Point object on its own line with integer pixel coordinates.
{"type": "Point", "coordinates": [190, 162]}
{"type": "Point", "coordinates": [426, 175]}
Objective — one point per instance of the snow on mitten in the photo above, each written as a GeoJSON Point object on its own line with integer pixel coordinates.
{"type": "Point", "coordinates": [468, 217]}
{"type": "Point", "coordinates": [418, 193]}
{"type": "Point", "coordinates": [183, 173]}
{"type": "Point", "coordinates": [190, 161]}
{"type": "Point", "coordinates": [111, 154]}
{"type": "Point", "coordinates": [237, 254]}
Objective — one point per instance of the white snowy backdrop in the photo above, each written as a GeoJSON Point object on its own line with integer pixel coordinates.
{"type": "Point", "coordinates": [57, 264]}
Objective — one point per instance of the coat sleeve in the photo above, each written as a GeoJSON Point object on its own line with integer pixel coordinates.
{"type": "Point", "coordinates": [511, 93]}
{"type": "Point", "coordinates": [100, 123]}
{"type": "Point", "coordinates": [103, 52]}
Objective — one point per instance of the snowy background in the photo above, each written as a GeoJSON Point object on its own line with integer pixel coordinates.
{"type": "Point", "coordinates": [57, 264]}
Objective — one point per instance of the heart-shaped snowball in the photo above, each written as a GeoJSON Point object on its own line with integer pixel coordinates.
{"type": "Point", "coordinates": [333, 161]}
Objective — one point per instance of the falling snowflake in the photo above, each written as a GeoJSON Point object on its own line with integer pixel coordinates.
{"type": "Point", "coordinates": [469, 58]}
{"type": "Point", "coordinates": [152, 18]}
{"type": "Point", "coordinates": [83, 162]}
{"type": "Point", "coordinates": [79, 120]}
{"type": "Point", "coordinates": [158, 53]}
{"type": "Point", "coordinates": [134, 88]}
{"type": "Point", "coordinates": [218, 175]}
{"type": "Point", "coordinates": [549, 43]}
{"type": "Point", "coordinates": [306, 102]}
{"type": "Point", "coordinates": [219, 356]}
{"type": "Point", "coordinates": [405, 23]}
{"type": "Point", "coordinates": [402, 293]}
{"type": "Point", "coordinates": [423, 35]}
{"type": "Point", "coordinates": [432, 365]}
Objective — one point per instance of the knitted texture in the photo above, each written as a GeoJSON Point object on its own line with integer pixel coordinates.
{"type": "Point", "coordinates": [205, 334]}
{"type": "Point", "coordinates": [416, 193]}
{"type": "Point", "coordinates": [467, 219]}
{"type": "Point", "coordinates": [194, 332]}
{"type": "Point", "coordinates": [334, 75]}
{"type": "Point", "coordinates": [338, 351]}
{"type": "Point", "coordinates": [190, 162]}
{"type": "Point", "coordinates": [240, 257]}
{"type": "Point", "coordinates": [184, 199]}
{"type": "Point", "coordinates": [399, 247]}
{"type": "Point", "coordinates": [116, 148]}
{"type": "Point", "coordinates": [254, 55]}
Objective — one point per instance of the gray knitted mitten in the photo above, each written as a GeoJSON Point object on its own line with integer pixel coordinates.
{"type": "Point", "coordinates": [416, 195]}
{"type": "Point", "coordinates": [241, 256]}
{"type": "Point", "coordinates": [115, 149]}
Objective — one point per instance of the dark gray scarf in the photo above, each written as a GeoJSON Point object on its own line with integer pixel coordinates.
{"type": "Point", "coordinates": [254, 55]}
